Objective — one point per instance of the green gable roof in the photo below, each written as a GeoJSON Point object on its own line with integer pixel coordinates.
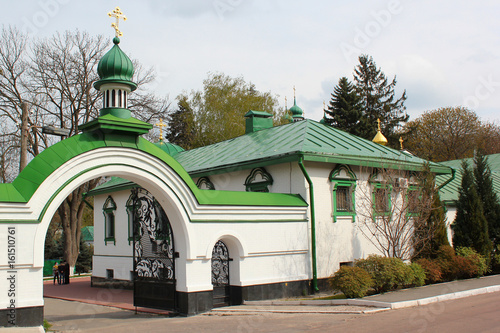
{"type": "Point", "coordinates": [449, 192]}
{"type": "Point", "coordinates": [311, 140]}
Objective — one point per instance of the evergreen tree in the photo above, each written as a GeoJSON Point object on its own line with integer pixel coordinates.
{"type": "Point", "coordinates": [181, 125]}
{"type": "Point", "coordinates": [470, 226]}
{"type": "Point", "coordinates": [378, 101]}
{"type": "Point", "coordinates": [488, 197]}
{"type": "Point", "coordinates": [344, 110]}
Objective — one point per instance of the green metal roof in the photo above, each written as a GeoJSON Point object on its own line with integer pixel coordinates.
{"type": "Point", "coordinates": [169, 148]}
{"type": "Point", "coordinates": [307, 138]}
{"type": "Point", "coordinates": [449, 193]}
{"type": "Point", "coordinates": [87, 234]}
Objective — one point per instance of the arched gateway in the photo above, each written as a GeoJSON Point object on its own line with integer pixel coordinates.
{"type": "Point", "coordinates": [111, 145]}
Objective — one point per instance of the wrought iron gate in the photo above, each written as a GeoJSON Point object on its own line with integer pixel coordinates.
{"type": "Point", "coordinates": [220, 275]}
{"type": "Point", "coordinates": [154, 267]}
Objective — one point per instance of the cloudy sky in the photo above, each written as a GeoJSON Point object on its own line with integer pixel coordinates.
{"type": "Point", "coordinates": [444, 53]}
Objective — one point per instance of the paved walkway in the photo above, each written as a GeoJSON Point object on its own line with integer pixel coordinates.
{"type": "Point", "coordinates": [79, 290]}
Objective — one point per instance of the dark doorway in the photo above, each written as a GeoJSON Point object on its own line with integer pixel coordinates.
{"type": "Point", "coordinates": [220, 275]}
{"type": "Point", "coordinates": [154, 266]}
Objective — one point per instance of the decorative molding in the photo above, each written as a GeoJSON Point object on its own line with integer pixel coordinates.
{"type": "Point", "coordinates": [252, 185]}
{"type": "Point", "coordinates": [205, 181]}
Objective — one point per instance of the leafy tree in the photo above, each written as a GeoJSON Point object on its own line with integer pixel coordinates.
{"type": "Point", "coordinates": [54, 77]}
{"type": "Point", "coordinates": [181, 125]}
{"type": "Point", "coordinates": [487, 195]}
{"type": "Point", "coordinates": [470, 227]}
{"type": "Point", "coordinates": [450, 133]}
{"type": "Point", "coordinates": [378, 101]}
{"type": "Point", "coordinates": [344, 110]}
{"type": "Point", "coordinates": [219, 108]}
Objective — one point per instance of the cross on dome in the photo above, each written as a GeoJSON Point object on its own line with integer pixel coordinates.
{"type": "Point", "coordinates": [161, 124]}
{"type": "Point", "coordinates": [117, 13]}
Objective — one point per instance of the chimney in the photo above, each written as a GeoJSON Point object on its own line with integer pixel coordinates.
{"type": "Point", "coordinates": [257, 120]}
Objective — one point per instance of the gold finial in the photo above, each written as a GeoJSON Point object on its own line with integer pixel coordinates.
{"type": "Point", "coordinates": [285, 104]}
{"type": "Point", "coordinates": [324, 106]}
{"type": "Point", "coordinates": [161, 124]}
{"type": "Point", "coordinates": [294, 92]}
{"type": "Point", "coordinates": [401, 142]}
{"type": "Point", "coordinates": [117, 13]}
{"type": "Point", "coordinates": [379, 137]}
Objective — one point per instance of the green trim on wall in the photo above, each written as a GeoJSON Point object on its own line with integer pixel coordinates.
{"type": "Point", "coordinates": [250, 221]}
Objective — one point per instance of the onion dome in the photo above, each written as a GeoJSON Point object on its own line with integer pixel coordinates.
{"type": "Point", "coordinates": [379, 137]}
{"type": "Point", "coordinates": [297, 113]}
{"type": "Point", "coordinates": [169, 148]}
{"type": "Point", "coordinates": [115, 67]}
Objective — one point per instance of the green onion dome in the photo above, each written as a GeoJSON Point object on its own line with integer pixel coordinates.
{"type": "Point", "coordinates": [169, 148]}
{"type": "Point", "coordinates": [115, 67]}
{"type": "Point", "coordinates": [296, 111]}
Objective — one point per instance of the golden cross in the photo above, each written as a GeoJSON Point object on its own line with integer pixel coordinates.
{"type": "Point", "coordinates": [324, 106]}
{"type": "Point", "coordinates": [161, 125]}
{"type": "Point", "coordinates": [401, 142]}
{"type": "Point", "coordinates": [285, 104]}
{"type": "Point", "coordinates": [117, 13]}
{"type": "Point", "coordinates": [378, 121]}
{"type": "Point", "coordinates": [294, 92]}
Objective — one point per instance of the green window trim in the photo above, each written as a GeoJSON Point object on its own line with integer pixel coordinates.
{"type": "Point", "coordinates": [411, 188]}
{"type": "Point", "coordinates": [376, 188]}
{"type": "Point", "coordinates": [343, 183]}
{"type": "Point", "coordinates": [108, 210]}
{"type": "Point", "coordinates": [258, 186]}
{"type": "Point", "coordinates": [205, 181]}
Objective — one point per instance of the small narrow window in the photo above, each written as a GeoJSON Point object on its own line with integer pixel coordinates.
{"type": "Point", "coordinates": [113, 96]}
{"type": "Point", "coordinates": [119, 98]}
{"type": "Point", "coordinates": [109, 209]}
{"type": "Point", "coordinates": [110, 274]}
{"type": "Point", "coordinates": [107, 99]}
{"type": "Point", "coordinates": [344, 199]}
{"type": "Point", "coordinates": [125, 102]}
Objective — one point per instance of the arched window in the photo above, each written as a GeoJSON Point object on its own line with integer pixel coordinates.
{"type": "Point", "coordinates": [344, 190]}
{"type": "Point", "coordinates": [204, 183]}
{"type": "Point", "coordinates": [259, 180]}
{"type": "Point", "coordinates": [108, 210]}
{"type": "Point", "coordinates": [381, 194]}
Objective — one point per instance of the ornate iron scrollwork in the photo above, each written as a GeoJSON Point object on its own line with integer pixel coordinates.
{"type": "Point", "coordinates": [220, 265]}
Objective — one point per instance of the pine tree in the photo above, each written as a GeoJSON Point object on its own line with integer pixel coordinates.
{"type": "Point", "coordinates": [344, 109]}
{"type": "Point", "coordinates": [378, 101]}
{"type": "Point", "coordinates": [181, 125]}
{"type": "Point", "coordinates": [470, 227]}
{"type": "Point", "coordinates": [488, 197]}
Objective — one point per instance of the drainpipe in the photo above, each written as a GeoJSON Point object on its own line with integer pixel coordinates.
{"type": "Point", "coordinates": [449, 180]}
{"type": "Point", "coordinates": [313, 223]}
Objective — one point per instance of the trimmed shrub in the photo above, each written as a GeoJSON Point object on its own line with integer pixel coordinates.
{"type": "Point", "coordinates": [433, 271]}
{"type": "Point", "coordinates": [387, 273]}
{"type": "Point", "coordinates": [418, 275]}
{"type": "Point", "coordinates": [477, 266]}
{"type": "Point", "coordinates": [352, 281]}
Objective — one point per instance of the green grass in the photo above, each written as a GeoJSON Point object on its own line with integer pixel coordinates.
{"type": "Point", "coordinates": [46, 325]}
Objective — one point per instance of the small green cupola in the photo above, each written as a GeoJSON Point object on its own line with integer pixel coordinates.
{"type": "Point", "coordinates": [170, 148]}
{"type": "Point", "coordinates": [296, 111]}
{"type": "Point", "coordinates": [115, 72]}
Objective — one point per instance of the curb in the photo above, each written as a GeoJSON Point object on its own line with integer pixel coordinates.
{"type": "Point", "coordinates": [379, 304]}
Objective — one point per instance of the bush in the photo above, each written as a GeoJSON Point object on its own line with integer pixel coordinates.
{"type": "Point", "coordinates": [352, 281]}
{"type": "Point", "coordinates": [418, 275]}
{"type": "Point", "coordinates": [387, 273]}
{"type": "Point", "coordinates": [477, 264]}
{"type": "Point", "coordinates": [433, 272]}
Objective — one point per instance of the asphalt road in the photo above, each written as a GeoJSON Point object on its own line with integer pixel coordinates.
{"type": "Point", "coordinates": [472, 314]}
